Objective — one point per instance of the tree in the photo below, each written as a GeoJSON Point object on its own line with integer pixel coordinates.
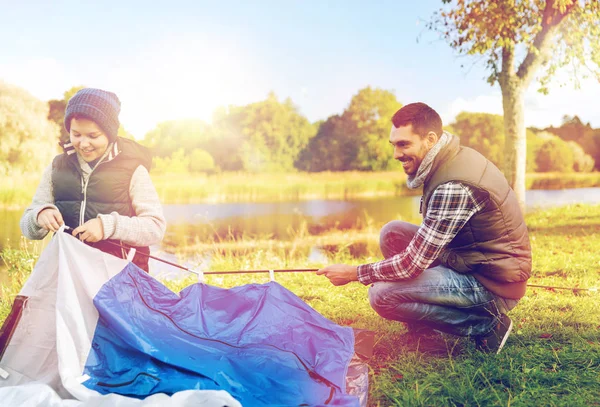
{"type": "Point", "coordinates": [582, 162]}
{"type": "Point", "coordinates": [262, 136]}
{"type": "Point", "coordinates": [555, 156]}
{"type": "Point", "coordinates": [534, 143]}
{"type": "Point", "coordinates": [356, 139]}
{"type": "Point", "coordinates": [57, 111]}
{"type": "Point", "coordinates": [543, 34]}
{"type": "Point", "coordinates": [334, 148]}
{"type": "Point", "coordinates": [201, 161]}
{"type": "Point", "coordinates": [176, 163]}
{"type": "Point", "coordinates": [27, 137]}
{"type": "Point", "coordinates": [170, 136]}
{"type": "Point", "coordinates": [483, 132]}
{"type": "Point", "coordinates": [275, 134]}
{"type": "Point", "coordinates": [372, 110]}
{"type": "Point", "coordinates": [588, 138]}
{"type": "Point", "coordinates": [228, 138]}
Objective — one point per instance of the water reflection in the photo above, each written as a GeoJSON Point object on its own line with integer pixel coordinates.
{"type": "Point", "coordinates": [189, 224]}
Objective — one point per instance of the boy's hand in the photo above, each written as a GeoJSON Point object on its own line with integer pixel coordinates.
{"type": "Point", "coordinates": [91, 231]}
{"type": "Point", "coordinates": [50, 219]}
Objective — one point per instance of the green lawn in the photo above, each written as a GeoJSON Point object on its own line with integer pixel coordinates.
{"type": "Point", "coordinates": [551, 359]}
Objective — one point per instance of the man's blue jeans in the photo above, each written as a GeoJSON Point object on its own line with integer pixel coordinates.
{"type": "Point", "coordinates": [439, 297]}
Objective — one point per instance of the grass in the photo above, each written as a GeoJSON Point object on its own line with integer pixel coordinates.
{"type": "Point", "coordinates": [16, 191]}
{"type": "Point", "coordinates": [246, 187]}
{"type": "Point", "coordinates": [563, 181]}
{"type": "Point", "coordinates": [15, 268]}
{"type": "Point", "coordinates": [552, 358]}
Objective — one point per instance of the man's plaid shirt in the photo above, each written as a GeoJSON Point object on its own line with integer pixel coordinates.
{"type": "Point", "coordinates": [450, 207]}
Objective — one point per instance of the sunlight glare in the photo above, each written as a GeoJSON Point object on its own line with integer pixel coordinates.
{"type": "Point", "coordinates": [182, 80]}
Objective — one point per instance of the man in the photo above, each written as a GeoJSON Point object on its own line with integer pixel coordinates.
{"type": "Point", "coordinates": [468, 262]}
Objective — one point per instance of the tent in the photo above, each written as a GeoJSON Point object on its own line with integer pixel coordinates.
{"type": "Point", "coordinates": [88, 328]}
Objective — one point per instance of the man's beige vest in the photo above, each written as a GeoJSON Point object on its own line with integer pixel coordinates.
{"type": "Point", "coordinates": [494, 244]}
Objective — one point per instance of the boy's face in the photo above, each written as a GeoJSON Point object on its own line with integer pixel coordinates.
{"type": "Point", "coordinates": [88, 139]}
{"type": "Point", "coordinates": [410, 148]}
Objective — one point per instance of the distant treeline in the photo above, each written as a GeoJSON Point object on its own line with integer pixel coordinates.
{"type": "Point", "coordinates": [272, 136]}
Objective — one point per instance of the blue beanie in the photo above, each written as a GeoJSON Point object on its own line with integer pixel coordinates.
{"type": "Point", "coordinates": [97, 105]}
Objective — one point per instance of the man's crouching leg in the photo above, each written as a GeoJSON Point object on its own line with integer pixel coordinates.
{"type": "Point", "coordinates": [442, 299]}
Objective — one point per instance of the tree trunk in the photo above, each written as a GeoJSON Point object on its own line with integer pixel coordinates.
{"type": "Point", "coordinates": [515, 147]}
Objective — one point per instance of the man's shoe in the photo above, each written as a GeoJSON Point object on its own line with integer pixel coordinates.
{"type": "Point", "coordinates": [495, 340]}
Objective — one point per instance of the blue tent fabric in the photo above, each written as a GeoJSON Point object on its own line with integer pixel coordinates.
{"type": "Point", "coordinates": [259, 342]}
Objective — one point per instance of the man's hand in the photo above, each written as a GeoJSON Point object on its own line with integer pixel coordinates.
{"type": "Point", "coordinates": [91, 231]}
{"type": "Point", "coordinates": [50, 219]}
{"type": "Point", "coordinates": [339, 274]}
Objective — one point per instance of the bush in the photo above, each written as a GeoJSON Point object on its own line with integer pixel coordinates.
{"type": "Point", "coordinates": [534, 143]}
{"type": "Point", "coordinates": [201, 161]}
{"type": "Point", "coordinates": [27, 137]}
{"type": "Point", "coordinates": [555, 155]}
{"type": "Point", "coordinates": [582, 162]}
{"type": "Point", "coordinates": [177, 163]}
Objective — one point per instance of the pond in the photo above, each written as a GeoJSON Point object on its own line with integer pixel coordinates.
{"type": "Point", "coordinates": [188, 223]}
{"type": "Point", "coordinates": [280, 220]}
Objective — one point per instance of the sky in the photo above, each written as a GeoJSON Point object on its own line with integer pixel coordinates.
{"type": "Point", "coordinates": [175, 59]}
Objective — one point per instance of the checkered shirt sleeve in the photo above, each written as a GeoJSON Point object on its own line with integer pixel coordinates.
{"type": "Point", "coordinates": [450, 207]}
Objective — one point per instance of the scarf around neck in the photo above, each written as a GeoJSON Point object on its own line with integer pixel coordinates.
{"type": "Point", "coordinates": [415, 181]}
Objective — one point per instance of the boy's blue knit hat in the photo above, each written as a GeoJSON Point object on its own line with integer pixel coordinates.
{"type": "Point", "coordinates": [97, 105]}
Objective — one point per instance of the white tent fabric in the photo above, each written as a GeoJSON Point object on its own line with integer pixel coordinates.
{"type": "Point", "coordinates": [48, 350]}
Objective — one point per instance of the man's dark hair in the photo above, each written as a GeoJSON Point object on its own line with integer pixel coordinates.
{"type": "Point", "coordinates": [422, 117]}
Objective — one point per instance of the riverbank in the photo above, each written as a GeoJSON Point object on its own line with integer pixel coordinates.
{"type": "Point", "coordinates": [552, 357]}
{"type": "Point", "coordinates": [17, 191]}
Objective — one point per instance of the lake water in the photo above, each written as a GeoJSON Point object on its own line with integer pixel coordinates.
{"type": "Point", "coordinates": [189, 223]}
{"type": "Point", "coordinates": [279, 220]}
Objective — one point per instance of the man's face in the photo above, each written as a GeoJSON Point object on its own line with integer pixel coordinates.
{"type": "Point", "coordinates": [88, 139]}
{"type": "Point", "coordinates": [410, 148]}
